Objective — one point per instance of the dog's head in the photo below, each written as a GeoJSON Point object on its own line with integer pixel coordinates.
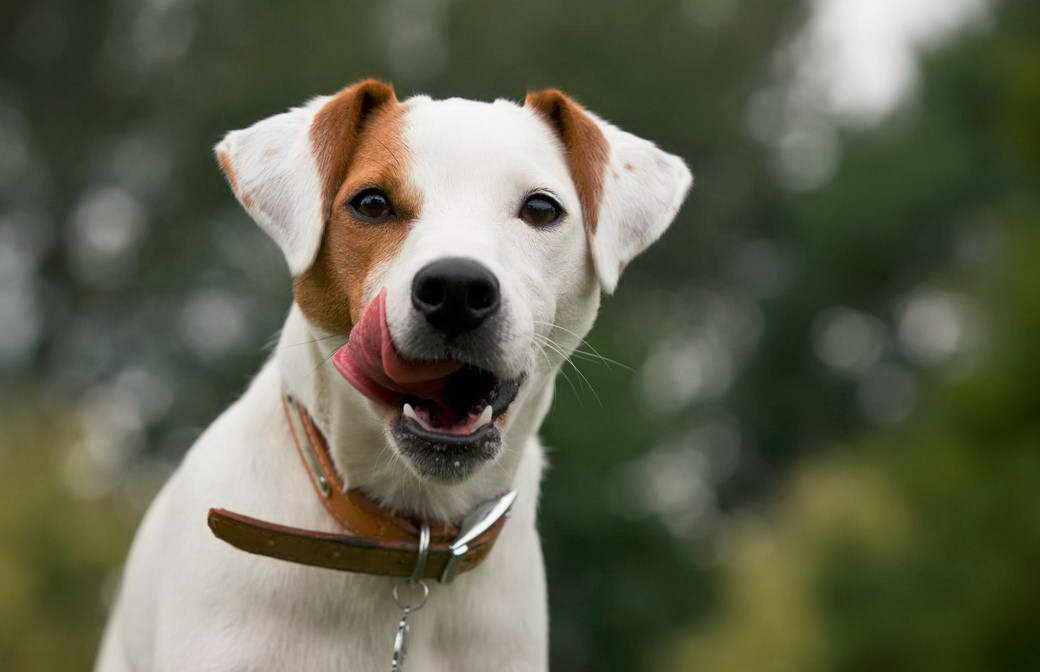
{"type": "Point", "coordinates": [462, 245]}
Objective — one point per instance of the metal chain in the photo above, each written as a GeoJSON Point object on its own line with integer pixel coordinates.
{"type": "Point", "coordinates": [413, 601]}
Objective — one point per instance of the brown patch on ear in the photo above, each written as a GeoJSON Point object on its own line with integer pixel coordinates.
{"type": "Point", "coordinates": [358, 142]}
{"type": "Point", "coordinates": [224, 161]}
{"type": "Point", "coordinates": [587, 149]}
{"type": "Point", "coordinates": [337, 128]}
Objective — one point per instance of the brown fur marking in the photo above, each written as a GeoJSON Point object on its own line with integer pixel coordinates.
{"type": "Point", "coordinates": [587, 149]}
{"type": "Point", "coordinates": [224, 160]}
{"type": "Point", "coordinates": [359, 144]}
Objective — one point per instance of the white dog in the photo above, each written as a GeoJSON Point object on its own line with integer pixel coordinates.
{"type": "Point", "coordinates": [463, 246]}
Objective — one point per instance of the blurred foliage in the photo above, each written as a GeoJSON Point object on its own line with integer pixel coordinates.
{"type": "Point", "coordinates": [917, 548]}
{"type": "Point", "coordinates": [58, 552]}
{"type": "Point", "coordinates": [149, 297]}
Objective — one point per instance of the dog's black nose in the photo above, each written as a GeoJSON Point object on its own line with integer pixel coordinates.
{"type": "Point", "coordinates": [455, 294]}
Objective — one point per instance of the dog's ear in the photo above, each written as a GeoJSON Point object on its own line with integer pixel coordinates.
{"type": "Point", "coordinates": [629, 190]}
{"type": "Point", "coordinates": [286, 169]}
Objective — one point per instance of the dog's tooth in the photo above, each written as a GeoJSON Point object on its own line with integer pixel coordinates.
{"type": "Point", "coordinates": [485, 418]}
{"type": "Point", "coordinates": [409, 412]}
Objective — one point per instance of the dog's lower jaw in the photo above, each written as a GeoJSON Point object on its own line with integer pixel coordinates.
{"type": "Point", "coordinates": [445, 463]}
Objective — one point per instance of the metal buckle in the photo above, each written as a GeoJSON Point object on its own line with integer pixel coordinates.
{"type": "Point", "coordinates": [475, 524]}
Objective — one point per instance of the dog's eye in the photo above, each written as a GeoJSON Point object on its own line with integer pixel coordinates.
{"type": "Point", "coordinates": [540, 210]}
{"type": "Point", "coordinates": [372, 204]}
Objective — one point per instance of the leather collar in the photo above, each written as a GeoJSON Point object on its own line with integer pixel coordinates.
{"type": "Point", "coordinates": [376, 540]}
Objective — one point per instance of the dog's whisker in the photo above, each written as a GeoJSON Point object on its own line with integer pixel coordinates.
{"type": "Point", "coordinates": [562, 372]}
{"type": "Point", "coordinates": [498, 465]}
{"type": "Point", "coordinates": [273, 341]}
{"type": "Point", "coordinates": [388, 458]}
{"type": "Point", "coordinates": [596, 357]}
{"type": "Point", "coordinates": [582, 341]}
{"type": "Point", "coordinates": [314, 340]}
{"type": "Point", "coordinates": [580, 354]}
{"type": "Point", "coordinates": [327, 360]}
{"type": "Point", "coordinates": [555, 346]}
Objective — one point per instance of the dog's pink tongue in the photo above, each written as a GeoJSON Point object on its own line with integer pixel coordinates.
{"type": "Point", "coordinates": [370, 362]}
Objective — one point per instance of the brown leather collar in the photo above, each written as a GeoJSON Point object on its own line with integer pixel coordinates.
{"type": "Point", "coordinates": [377, 540]}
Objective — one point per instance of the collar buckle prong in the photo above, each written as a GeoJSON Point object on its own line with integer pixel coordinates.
{"type": "Point", "coordinates": [473, 525]}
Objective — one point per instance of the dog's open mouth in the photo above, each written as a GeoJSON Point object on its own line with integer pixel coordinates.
{"type": "Point", "coordinates": [448, 437]}
{"type": "Point", "coordinates": [444, 414]}
{"type": "Point", "coordinates": [470, 401]}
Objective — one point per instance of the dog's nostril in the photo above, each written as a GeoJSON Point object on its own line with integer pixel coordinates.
{"type": "Point", "coordinates": [430, 291]}
{"type": "Point", "coordinates": [456, 294]}
{"type": "Point", "coordinates": [481, 296]}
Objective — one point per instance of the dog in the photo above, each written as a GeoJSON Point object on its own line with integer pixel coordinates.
{"type": "Point", "coordinates": [446, 257]}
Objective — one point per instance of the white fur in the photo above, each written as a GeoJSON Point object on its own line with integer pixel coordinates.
{"type": "Point", "coordinates": [276, 180]}
{"type": "Point", "coordinates": [190, 601]}
{"type": "Point", "coordinates": [642, 190]}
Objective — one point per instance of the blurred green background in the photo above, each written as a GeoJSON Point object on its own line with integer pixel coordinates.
{"type": "Point", "coordinates": [821, 447]}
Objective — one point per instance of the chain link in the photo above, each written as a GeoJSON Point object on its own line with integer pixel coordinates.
{"type": "Point", "coordinates": [411, 601]}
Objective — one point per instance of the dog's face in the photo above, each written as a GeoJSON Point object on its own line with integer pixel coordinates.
{"type": "Point", "coordinates": [462, 245]}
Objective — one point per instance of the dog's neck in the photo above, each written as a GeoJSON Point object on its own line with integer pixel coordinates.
{"type": "Point", "coordinates": [357, 437]}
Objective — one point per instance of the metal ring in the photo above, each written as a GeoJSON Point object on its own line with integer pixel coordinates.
{"type": "Point", "coordinates": [416, 580]}
{"type": "Point", "coordinates": [424, 550]}
{"type": "Point", "coordinates": [411, 584]}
